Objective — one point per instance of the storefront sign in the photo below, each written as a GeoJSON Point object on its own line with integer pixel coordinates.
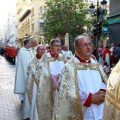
{"type": "Point", "coordinates": [114, 19]}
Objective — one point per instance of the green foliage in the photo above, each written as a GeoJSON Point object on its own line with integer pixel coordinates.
{"type": "Point", "coordinates": [65, 16]}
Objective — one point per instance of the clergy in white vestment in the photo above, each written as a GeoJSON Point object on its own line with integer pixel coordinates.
{"type": "Point", "coordinates": [29, 105]}
{"type": "Point", "coordinates": [68, 54]}
{"type": "Point", "coordinates": [48, 70]}
{"type": "Point", "coordinates": [82, 85]}
{"type": "Point", "coordinates": [112, 98]}
{"type": "Point", "coordinates": [24, 57]}
{"type": "Point", "coordinates": [33, 46]}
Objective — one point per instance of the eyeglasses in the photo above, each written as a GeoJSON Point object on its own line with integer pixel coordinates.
{"type": "Point", "coordinates": [57, 45]}
{"type": "Point", "coordinates": [86, 45]}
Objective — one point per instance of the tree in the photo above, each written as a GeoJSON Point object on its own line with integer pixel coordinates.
{"type": "Point", "coordinates": [65, 16]}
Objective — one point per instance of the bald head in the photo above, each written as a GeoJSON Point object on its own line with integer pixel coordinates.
{"type": "Point", "coordinates": [40, 50]}
{"type": "Point", "coordinates": [79, 38]}
{"type": "Point", "coordinates": [83, 46]}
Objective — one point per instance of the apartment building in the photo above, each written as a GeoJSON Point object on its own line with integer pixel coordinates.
{"type": "Point", "coordinates": [30, 19]}
{"type": "Point", "coordinates": [10, 30]}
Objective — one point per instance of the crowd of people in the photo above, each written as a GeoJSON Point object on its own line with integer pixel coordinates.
{"type": "Point", "coordinates": [109, 56]}
{"type": "Point", "coordinates": [54, 84]}
{"type": "Point", "coordinates": [10, 53]}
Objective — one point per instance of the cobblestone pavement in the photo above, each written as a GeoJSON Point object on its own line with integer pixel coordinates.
{"type": "Point", "coordinates": [10, 106]}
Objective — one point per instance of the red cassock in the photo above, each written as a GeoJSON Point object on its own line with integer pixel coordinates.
{"type": "Point", "coordinates": [106, 51]}
{"type": "Point", "coordinates": [14, 52]}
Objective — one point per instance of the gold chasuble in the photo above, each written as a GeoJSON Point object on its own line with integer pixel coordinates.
{"type": "Point", "coordinates": [27, 104]}
{"type": "Point", "coordinates": [45, 98]}
{"type": "Point", "coordinates": [112, 100]}
{"type": "Point", "coordinates": [31, 77]}
{"type": "Point", "coordinates": [69, 106]}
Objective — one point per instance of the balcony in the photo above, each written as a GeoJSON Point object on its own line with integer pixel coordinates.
{"type": "Point", "coordinates": [25, 15]}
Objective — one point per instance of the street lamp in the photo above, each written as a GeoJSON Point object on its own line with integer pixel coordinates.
{"type": "Point", "coordinates": [103, 4]}
{"type": "Point", "coordinates": [100, 10]}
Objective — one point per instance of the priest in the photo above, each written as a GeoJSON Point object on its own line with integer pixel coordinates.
{"type": "Point", "coordinates": [33, 46]}
{"type": "Point", "coordinates": [30, 97]}
{"type": "Point", "coordinates": [24, 57]}
{"type": "Point", "coordinates": [48, 70]}
{"type": "Point", "coordinates": [112, 99]}
{"type": "Point", "coordinates": [67, 53]}
{"type": "Point", "coordinates": [82, 85]}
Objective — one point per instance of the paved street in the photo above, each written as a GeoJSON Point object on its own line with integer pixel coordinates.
{"type": "Point", "coordinates": [10, 106]}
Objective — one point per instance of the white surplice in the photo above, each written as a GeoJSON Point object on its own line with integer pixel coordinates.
{"type": "Point", "coordinates": [55, 70]}
{"type": "Point", "coordinates": [90, 81]}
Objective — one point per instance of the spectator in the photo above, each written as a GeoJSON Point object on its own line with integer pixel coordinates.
{"type": "Point", "coordinates": [106, 55]}
{"type": "Point", "coordinates": [94, 51]}
{"type": "Point", "coordinates": [112, 56]}
{"type": "Point", "coordinates": [100, 50]}
{"type": "Point", "coordinates": [117, 53]}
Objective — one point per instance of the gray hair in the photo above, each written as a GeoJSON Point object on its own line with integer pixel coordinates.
{"type": "Point", "coordinates": [54, 40]}
{"type": "Point", "coordinates": [40, 45]}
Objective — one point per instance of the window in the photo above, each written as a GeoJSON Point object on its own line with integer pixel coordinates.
{"type": "Point", "coordinates": [86, 0]}
{"type": "Point", "coordinates": [45, 10]}
{"type": "Point", "coordinates": [41, 10]}
{"type": "Point", "coordinates": [32, 13]}
{"type": "Point", "coordinates": [41, 26]}
{"type": "Point", "coordinates": [32, 27]}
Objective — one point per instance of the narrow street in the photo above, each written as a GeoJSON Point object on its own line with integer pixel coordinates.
{"type": "Point", "coordinates": [10, 106]}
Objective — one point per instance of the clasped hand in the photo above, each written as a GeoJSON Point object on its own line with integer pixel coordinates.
{"type": "Point", "coordinates": [98, 97]}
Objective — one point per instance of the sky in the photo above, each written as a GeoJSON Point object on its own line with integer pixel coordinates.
{"type": "Point", "coordinates": [6, 7]}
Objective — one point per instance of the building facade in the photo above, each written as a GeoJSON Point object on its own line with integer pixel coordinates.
{"type": "Point", "coordinates": [94, 1]}
{"type": "Point", "coordinates": [114, 22]}
{"type": "Point", "coordinates": [30, 19]}
{"type": "Point", "coordinates": [10, 30]}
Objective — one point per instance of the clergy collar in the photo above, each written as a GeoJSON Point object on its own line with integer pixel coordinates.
{"type": "Point", "coordinates": [37, 57]}
{"type": "Point", "coordinates": [53, 55]}
{"type": "Point", "coordinates": [81, 59]}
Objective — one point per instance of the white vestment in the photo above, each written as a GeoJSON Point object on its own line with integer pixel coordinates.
{"type": "Point", "coordinates": [24, 57]}
{"type": "Point", "coordinates": [33, 51]}
{"type": "Point", "coordinates": [55, 75]}
{"type": "Point", "coordinates": [90, 81]}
